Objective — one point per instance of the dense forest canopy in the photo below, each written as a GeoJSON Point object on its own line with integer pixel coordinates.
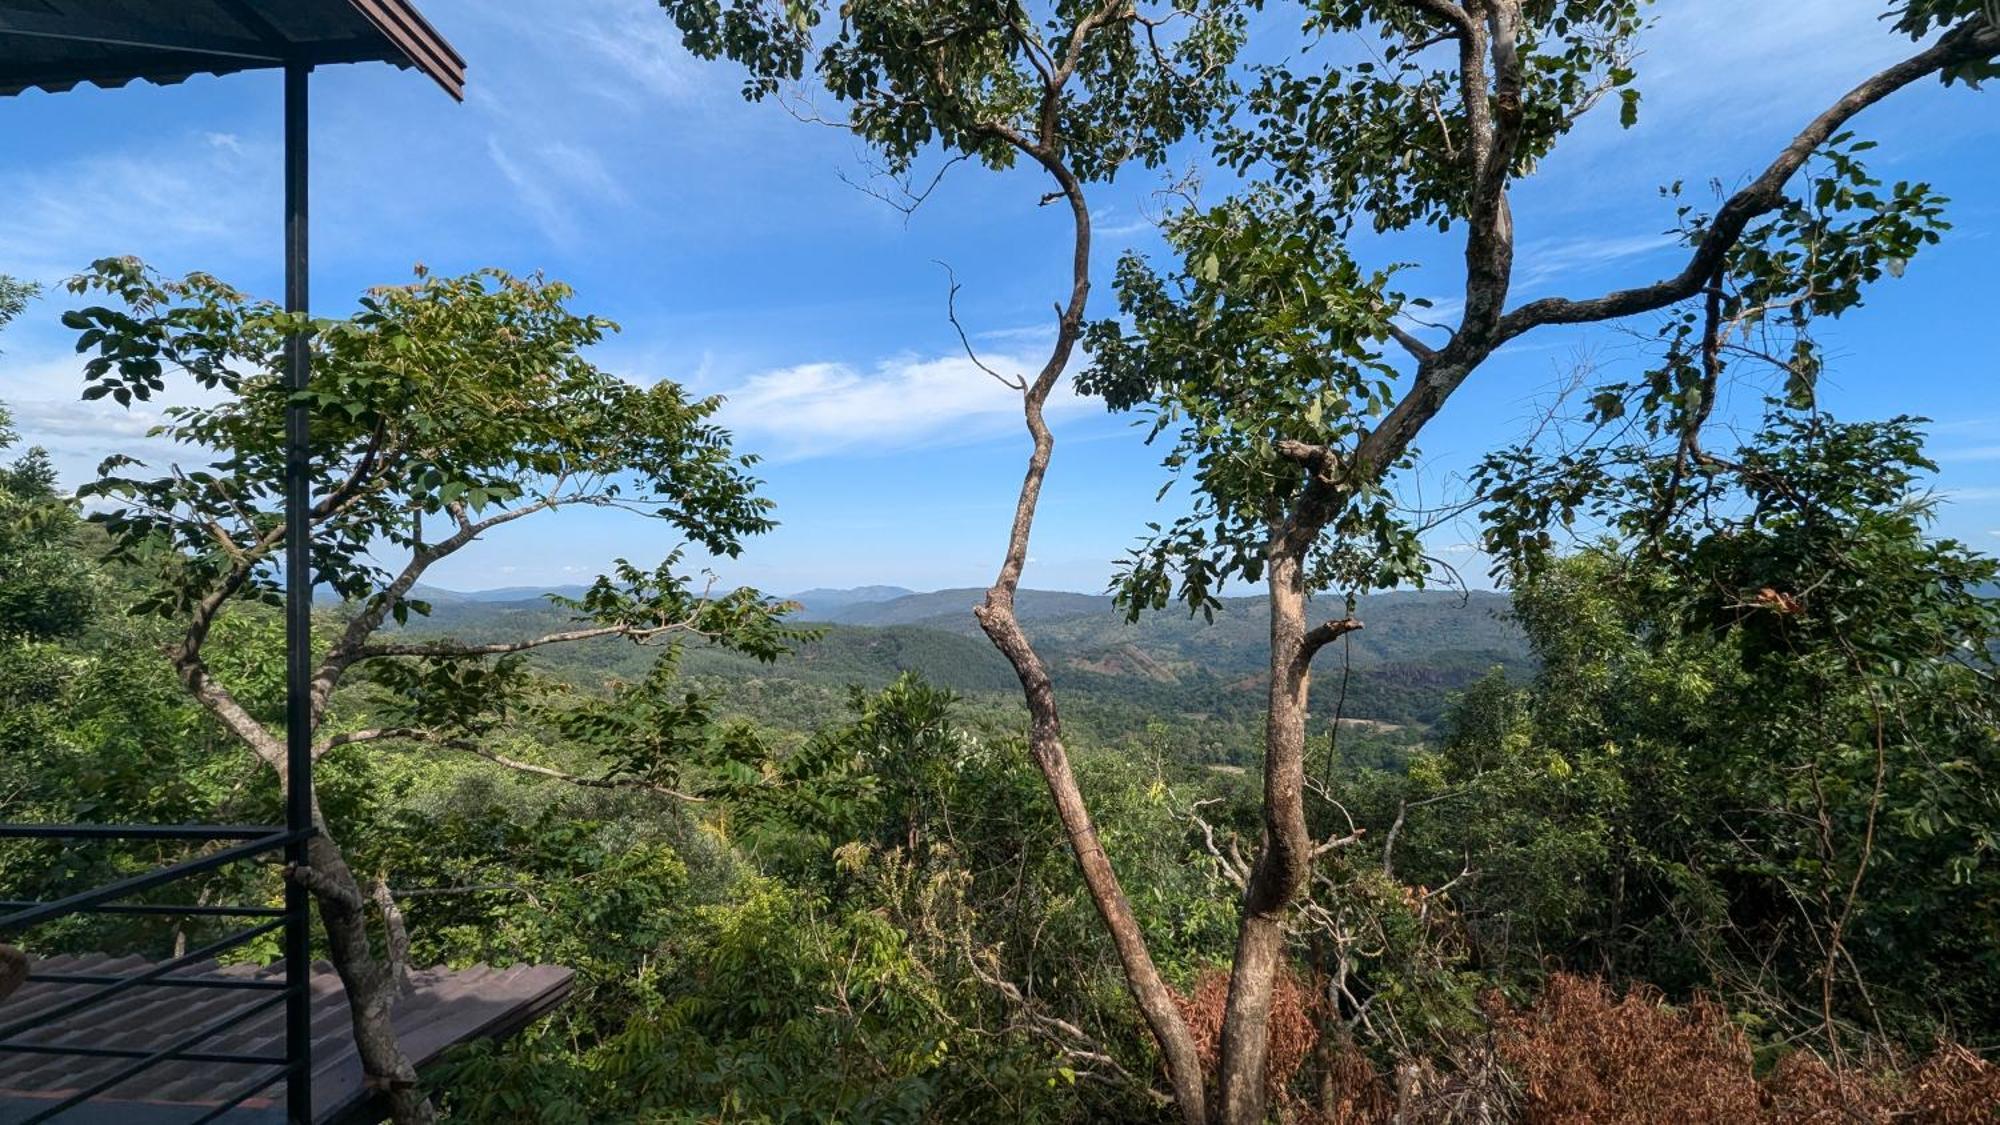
{"type": "Point", "coordinates": [1697, 817]}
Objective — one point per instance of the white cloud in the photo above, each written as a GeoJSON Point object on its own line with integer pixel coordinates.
{"type": "Point", "coordinates": [1960, 425]}
{"type": "Point", "coordinates": [1786, 55]}
{"type": "Point", "coordinates": [1725, 84]}
{"type": "Point", "coordinates": [79, 435]}
{"type": "Point", "coordinates": [78, 419]}
{"type": "Point", "coordinates": [815, 409]}
{"type": "Point", "coordinates": [1441, 313]}
{"type": "Point", "coordinates": [1110, 222]}
{"type": "Point", "coordinates": [1034, 334]}
{"type": "Point", "coordinates": [41, 394]}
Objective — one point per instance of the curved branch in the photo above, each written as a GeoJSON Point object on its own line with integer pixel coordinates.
{"type": "Point", "coordinates": [352, 646]}
{"type": "Point", "coordinates": [997, 619]}
{"type": "Point", "coordinates": [1450, 13]}
{"type": "Point", "coordinates": [1969, 42]}
{"type": "Point", "coordinates": [456, 650]}
{"type": "Point", "coordinates": [554, 774]}
{"type": "Point", "coordinates": [223, 706]}
{"type": "Point", "coordinates": [1016, 383]}
{"type": "Point", "coordinates": [466, 746]}
{"type": "Point", "coordinates": [377, 734]}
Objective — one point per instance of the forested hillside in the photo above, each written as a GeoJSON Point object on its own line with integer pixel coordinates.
{"type": "Point", "coordinates": [1696, 820]}
{"type": "Point", "coordinates": [1168, 680]}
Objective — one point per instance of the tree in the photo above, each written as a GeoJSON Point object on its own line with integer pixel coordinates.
{"type": "Point", "coordinates": [13, 298]}
{"type": "Point", "coordinates": [1795, 680]}
{"type": "Point", "coordinates": [464, 402]}
{"type": "Point", "coordinates": [1265, 349]}
{"type": "Point", "coordinates": [1080, 91]}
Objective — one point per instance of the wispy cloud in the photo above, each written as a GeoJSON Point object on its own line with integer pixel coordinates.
{"type": "Point", "coordinates": [1441, 313]}
{"type": "Point", "coordinates": [1788, 56]}
{"type": "Point", "coordinates": [1026, 333]}
{"type": "Point", "coordinates": [816, 409]}
{"type": "Point", "coordinates": [622, 51]}
{"type": "Point", "coordinates": [1961, 425]}
{"type": "Point", "coordinates": [1969, 453]}
{"type": "Point", "coordinates": [79, 435]}
{"type": "Point", "coordinates": [639, 46]}
{"type": "Point", "coordinates": [42, 390]}
{"type": "Point", "coordinates": [1112, 222]}
{"type": "Point", "coordinates": [1717, 106]}
{"type": "Point", "coordinates": [556, 180]}
{"type": "Point", "coordinates": [1546, 260]}
{"type": "Point", "coordinates": [161, 199]}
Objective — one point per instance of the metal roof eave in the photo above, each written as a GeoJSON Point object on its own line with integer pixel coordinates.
{"type": "Point", "coordinates": [401, 23]}
{"type": "Point", "coordinates": [111, 43]}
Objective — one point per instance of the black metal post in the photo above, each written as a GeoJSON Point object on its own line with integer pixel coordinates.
{"type": "Point", "coordinates": [298, 611]}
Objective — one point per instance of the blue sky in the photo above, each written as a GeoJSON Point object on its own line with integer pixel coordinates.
{"type": "Point", "coordinates": [727, 241]}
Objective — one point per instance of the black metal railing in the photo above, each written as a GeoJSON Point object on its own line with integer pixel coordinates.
{"type": "Point", "coordinates": [293, 1065]}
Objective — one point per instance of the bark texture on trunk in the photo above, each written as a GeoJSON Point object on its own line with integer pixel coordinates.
{"type": "Point", "coordinates": [371, 983]}
{"type": "Point", "coordinates": [1285, 858]}
{"type": "Point", "coordinates": [13, 970]}
{"type": "Point", "coordinates": [1045, 744]}
{"type": "Point", "coordinates": [997, 618]}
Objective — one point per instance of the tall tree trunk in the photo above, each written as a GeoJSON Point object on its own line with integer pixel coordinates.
{"type": "Point", "coordinates": [371, 983]}
{"type": "Point", "coordinates": [1045, 744]}
{"type": "Point", "coordinates": [1285, 857]}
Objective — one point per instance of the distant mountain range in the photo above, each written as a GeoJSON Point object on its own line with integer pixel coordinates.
{"type": "Point", "coordinates": [821, 604]}
{"type": "Point", "coordinates": [950, 609]}
{"type": "Point", "coordinates": [1117, 677]}
{"type": "Point", "coordinates": [1090, 630]}
{"type": "Point", "coordinates": [437, 595]}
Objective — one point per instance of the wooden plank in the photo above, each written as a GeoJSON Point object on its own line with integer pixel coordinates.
{"type": "Point", "coordinates": [443, 1009]}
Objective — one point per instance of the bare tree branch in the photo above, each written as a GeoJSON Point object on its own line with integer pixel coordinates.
{"type": "Point", "coordinates": [637, 783]}
{"type": "Point", "coordinates": [1324, 634]}
{"type": "Point", "coordinates": [1016, 383]}
{"type": "Point", "coordinates": [457, 649]}
{"type": "Point", "coordinates": [1418, 350]}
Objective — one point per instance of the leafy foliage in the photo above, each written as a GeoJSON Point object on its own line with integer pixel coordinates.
{"type": "Point", "coordinates": [974, 78]}
{"type": "Point", "coordinates": [14, 297]}
{"type": "Point", "coordinates": [1387, 138]}
{"type": "Point", "coordinates": [449, 397]}
{"type": "Point", "coordinates": [1774, 715]}
{"type": "Point", "coordinates": [1266, 337]}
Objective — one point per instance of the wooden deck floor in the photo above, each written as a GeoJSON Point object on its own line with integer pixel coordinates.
{"type": "Point", "coordinates": [444, 1007]}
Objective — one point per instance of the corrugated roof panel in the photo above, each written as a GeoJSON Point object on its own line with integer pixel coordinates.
{"type": "Point", "coordinates": [55, 45]}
